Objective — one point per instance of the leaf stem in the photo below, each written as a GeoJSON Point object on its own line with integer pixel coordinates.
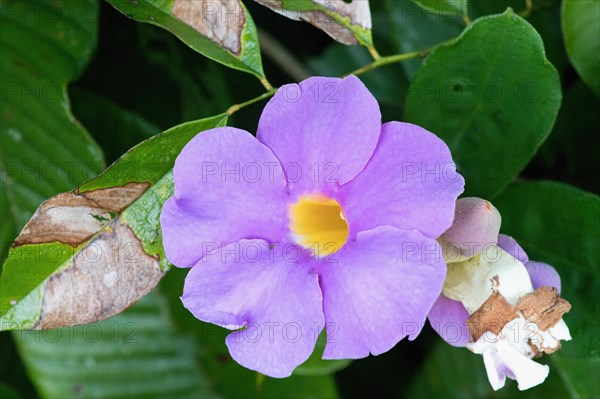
{"type": "Point", "coordinates": [236, 107]}
{"type": "Point", "coordinates": [379, 62]}
{"type": "Point", "coordinates": [374, 53]}
{"type": "Point", "coordinates": [268, 86]}
{"type": "Point", "coordinates": [391, 59]}
{"type": "Point", "coordinates": [528, 9]}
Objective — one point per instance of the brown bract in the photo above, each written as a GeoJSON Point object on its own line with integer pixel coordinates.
{"type": "Point", "coordinates": [492, 316]}
{"type": "Point", "coordinates": [222, 21]}
{"type": "Point", "coordinates": [543, 307]}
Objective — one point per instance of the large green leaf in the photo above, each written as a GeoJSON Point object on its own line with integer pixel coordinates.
{"type": "Point", "coordinates": [578, 361]}
{"type": "Point", "coordinates": [99, 246]}
{"type": "Point", "coordinates": [221, 30]}
{"type": "Point", "coordinates": [444, 7]}
{"type": "Point", "coordinates": [558, 224]}
{"type": "Point", "coordinates": [555, 221]}
{"type": "Point", "coordinates": [345, 21]}
{"type": "Point", "coordinates": [581, 28]}
{"type": "Point", "coordinates": [412, 29]}
{"type": "Point", "coordinates": [493, 109]}
{"type": "Point", "coordinates": [135, 354]}
{"type": "Point", "coordinates": [43, 150]}
{"type": "Point", "coordinates": [451, 372]}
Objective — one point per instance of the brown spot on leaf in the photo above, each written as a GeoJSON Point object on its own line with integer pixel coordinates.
{"type": "Point", "coordinates": [72, 218]}
{"type": "Point", "coordinates": [108, 275]}
{"type": "Point", "coordinates": [357, 12]}
{"type": "Point", "coordinates": [491, 316]}
{"type": "Point", "coordinates": [222, 21]}
{"type": "Point", "coordinates": [543, 307]}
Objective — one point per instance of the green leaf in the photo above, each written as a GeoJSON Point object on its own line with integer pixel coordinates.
{"type": "Point", "coordinates": [581, 29]}
{"type": "Point", "coordinates": [135, 354]}
{"type": "Point", "coordinates": [412, 29]}
{"type": "Point", "coordinates": [315, 365]}
{"type": "Point", "coordinates": [554, 222]}
{"type": "Point", "coordinates": [444, 7]}
{"type": "Point", "coordinates": [196, 23]}
{"type": "Point", "coordinates": [8, 392]}
{"type": "Point", "coordinates": [44, 150]}
{"type": "Point", "coordinates": [107, 230]}
{"type": "Point", "coordinates": [346, 22]}
{"type": "Point", "coordinates": [450, 372]}
{"type": "Point", "coordinates": [227, 377]}
{"type": "Point", "coordinates": [493, 108]}
{"type": "Point", "coordinates": [558, 224]}
{"type": "Point", "coordinates": [578, 361]}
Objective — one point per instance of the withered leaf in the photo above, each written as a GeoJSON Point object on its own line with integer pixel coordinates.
{"type": "Point", "coordinates": [346, 22]}
{"type": "Point", "coordinates": [106, 271]}
{"type": "Point", "coordinates": [221, 30]}
{"type": "Point", "coordinates": [222, 21]}
{"type": "Point", "coordinates": [72, 218]}
{"type": "Point", "coordinates": [88, 254]}
{"type": "Point", "coordinates": [106, 277]}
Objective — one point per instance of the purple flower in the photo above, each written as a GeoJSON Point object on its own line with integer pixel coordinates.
{"type": "Point", "coordinates": [327, 219]}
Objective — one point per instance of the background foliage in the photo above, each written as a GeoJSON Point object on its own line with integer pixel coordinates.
{"type": "Point", "coordinates": [515, 98]}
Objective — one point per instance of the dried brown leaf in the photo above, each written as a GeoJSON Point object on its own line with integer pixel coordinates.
{"type": "Point", "coordinates": [222, 21]}
{"type": "Point", "coordinates": [357, 12]}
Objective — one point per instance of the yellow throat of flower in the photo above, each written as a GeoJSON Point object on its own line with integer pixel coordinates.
{"type": "Point", "coordinates": [317, 222]}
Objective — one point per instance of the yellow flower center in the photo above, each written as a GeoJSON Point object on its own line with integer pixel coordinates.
{"type": "Point", "coordinates": [317, 223]}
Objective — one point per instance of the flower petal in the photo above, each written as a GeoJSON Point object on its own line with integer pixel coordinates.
{"type": "Point", "coordinates": [449, 319]}
{"type": "Point", "coordinates": [476, 226]}
{"type": "Point", "coordinates": [228, 186]}
{"type": "Point", "coordinates": [269, 290]}
{"type": "Point", "coordinates": [323, 131]}
{"type": "Point", "coordinates": [378, 290]}
{"type": "Point", "coordinates": [511, 246]}
{"type": "Point", "coordinates": [410, 183]}
{"type": "Point", "coordinates": [542, 274]}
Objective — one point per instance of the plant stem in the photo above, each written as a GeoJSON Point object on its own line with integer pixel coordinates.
{"type": "Point", "coordinates": [374, 53]}
{"type": "Point", "coordinates": [268, 86]}
{"type": "Point", "coordinates": [236, 107]}
{"type": "Point", "coordinates": [528, 9]}
{"type": "Point", "coordinates": [379, 62]}
{"type": "Point", "coordinates": [391, 59]}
